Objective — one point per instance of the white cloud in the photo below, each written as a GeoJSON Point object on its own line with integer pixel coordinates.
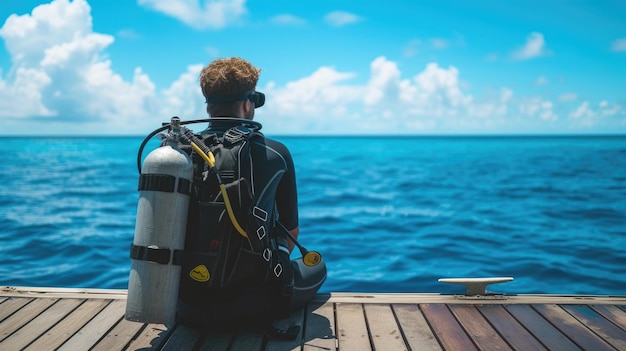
{"type": "Point", "coordinates": [384, 81]}
{"type": "Point", "coordinates": [607, 109]}
{"type": "Point", "coordinates": [538, 107]}
{"type": "Point", "coordinates": [128, 33]}
{"type": "Point", "coordinates": [439, 43]}
{"type": "Point", "coordinates": [310, 95]}
{"type": "Point", "coordinates": [288, 20]}
{"type": "Point", "coordinates": [59, 73]}
{"type": "Point", "coordinates": [412, 47]}
{"type": "Point", "coordinates": [22, 97]}
{"type": "Point", "coordinates": [541, 80]}
{"type": "Point", "coordinates": [492, 57]}
{"type": "Point", "coordinates": [341, 18]}
{"type": "Point", "coordinates": [49, 25]}
{"type": "Point", "coordinates": [183, 98]}
{"type": "Point", "coordinates": [583, 111]}
{"type": "Point", "coordinates": [326, 102]}
{"type": "Point", "coordinates": [568, 97]}
{"type": "Point", "coordinates": [200, 14]}
{"type": "Point", "coordinates": [506, 95]}
{"type": "Point", "coordinates": [534, 47]}
{"type": "Point", "coordinates": [619, 45]}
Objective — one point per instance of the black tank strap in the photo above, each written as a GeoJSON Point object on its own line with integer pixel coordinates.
{"type": "Point", "coordinates": [155, 254]}
{"type": "Point", "coordinates": [164, 183]}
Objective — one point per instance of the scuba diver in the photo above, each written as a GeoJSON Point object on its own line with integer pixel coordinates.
{"type": "Point", "coordinates": [233, 276]}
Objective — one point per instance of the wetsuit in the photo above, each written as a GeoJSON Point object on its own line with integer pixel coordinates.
{"type": "Point", "coordinates": [272, 159]}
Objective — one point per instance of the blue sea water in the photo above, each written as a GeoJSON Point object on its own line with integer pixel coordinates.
{"type": "Point", "coordinates": [389, 214]}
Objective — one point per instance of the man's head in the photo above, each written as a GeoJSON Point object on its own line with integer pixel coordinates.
{"type": "Point", "coordinates": [228, 86]}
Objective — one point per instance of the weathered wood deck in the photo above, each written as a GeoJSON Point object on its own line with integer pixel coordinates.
{"type": "Point", "coordinates": [77, 319]}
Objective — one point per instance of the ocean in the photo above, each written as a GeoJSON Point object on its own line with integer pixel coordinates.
{"type": "Point", "coordinates": [388, 214]}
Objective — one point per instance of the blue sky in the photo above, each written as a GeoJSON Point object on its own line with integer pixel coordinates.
{"type": "Point", "coordinates": [328, 67]}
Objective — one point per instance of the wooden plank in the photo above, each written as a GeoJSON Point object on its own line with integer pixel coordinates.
{"type": "Point", "coordinates": [95, 329]}
{"type": "Point", "coordinates": [70, 293]}
{"type": "Point", "coordinates": [478, 328]}
{"type": "Point", "coordinates": [446, 328]}
{"type": "Point", "coordinates": [11, 305]}
{"type": "Point", "coordinates": [319, 327]}
{"type": "Point", "coordinates": [337, 297]}
{"type": "Point", "coordinates": [612, 313]}
{"type": "Point", "coordinates": [600, 325]}
{"type": "Point", "coordinates": [415, 329]}
{"type": "Point", "coordinates": [351, 328]}
{"type": "Point", "coordinates": [384, 331]}
{"type": "Point", "coordinates": [545, 332]}
{"type": "Point", "coordinates": [511, 330]}
{"type": "Point", "coordinates": [471, 300]}
{"type": "Point", "coordinates": [182, 339]}
{"type": "Point", "coordinates": [23, 316]}
{"type": "Point", "coordinates": [152, 337]}
{"type": "Point", "coordinates": [39, 325]}
{"type": "Point", "coordinates": [57, 335]}
{"type": "Point", "coordinates": [572, 328]}
{"type": "Point", "coordinates": [119, 337]}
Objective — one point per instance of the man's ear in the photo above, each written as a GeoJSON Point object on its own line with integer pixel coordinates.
{"type": "Point", "coordinates": [246, 106]}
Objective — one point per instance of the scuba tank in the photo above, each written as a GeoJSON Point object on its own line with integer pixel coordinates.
{"type": "Point", "coordinates": [156, 251]}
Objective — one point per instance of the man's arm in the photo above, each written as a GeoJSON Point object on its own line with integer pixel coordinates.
{"type": "Point", "coordinates": [295, 233]}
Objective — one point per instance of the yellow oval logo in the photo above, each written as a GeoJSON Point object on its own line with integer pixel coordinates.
{"type": "Point", "coordinates": [312, 258]}
{"type": "Point", "coordinates": [200, 274]}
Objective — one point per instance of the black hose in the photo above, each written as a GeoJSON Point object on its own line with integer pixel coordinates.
{"type": "Point", "coordinates": [254, 125]}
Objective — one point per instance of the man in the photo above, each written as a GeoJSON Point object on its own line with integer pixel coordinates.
{"type": "Point", "coordinates": [228, 86]}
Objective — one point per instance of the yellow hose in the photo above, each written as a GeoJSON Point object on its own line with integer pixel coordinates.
{"type": "Point", "coordinates": [210, 160]}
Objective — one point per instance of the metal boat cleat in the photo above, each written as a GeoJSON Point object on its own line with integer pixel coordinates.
{"type": "Point", "coordinates": [476, 286]}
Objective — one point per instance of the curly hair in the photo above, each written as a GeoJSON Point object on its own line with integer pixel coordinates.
{"type": "Point", "coordinates": [227, 77]}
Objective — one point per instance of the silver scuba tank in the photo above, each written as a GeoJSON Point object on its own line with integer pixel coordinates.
{"type": "Point", "coordinates": [156, 252]}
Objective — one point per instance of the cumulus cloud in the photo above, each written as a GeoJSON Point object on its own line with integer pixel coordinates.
{"type": "Point", "coordinates": [288, 20]}
{"type": "Point", "coordinates": [59, 73]}
{"type": "Point", "coordinates": [200, 14]}
{"type": "Point", "coordinates": [541, 80]}
{"type": "Point", "coordinates": [412, 47]}
{"type": "Point", "coordinates": [619, 45]}
{"type": "Point", "coordinates": [439, 43]}
{"type": "Point", "coordinates": [534, 47]}
{"type": "Point", "coordinates": [568, 97]}
{"type": "Point", "coordinates": [537, 107]}
{"type": "Point", "coordinates": [583, 111]}
{"type": "Point", "coordinates": [327, 102]}
{"type": "Point", "coordinates": [608, 109]}
{"type": "Point", "coordinates": [341, 18]}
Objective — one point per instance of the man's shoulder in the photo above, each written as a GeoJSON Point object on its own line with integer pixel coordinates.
{"type": "Point", "coordinates": [275, 145]}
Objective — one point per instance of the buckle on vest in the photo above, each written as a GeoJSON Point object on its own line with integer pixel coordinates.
{"type": "Point", "coordinates": [236, 134]}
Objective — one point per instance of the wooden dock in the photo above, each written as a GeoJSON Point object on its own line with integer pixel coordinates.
{"type": "Point", "coordinates": [86, 319]}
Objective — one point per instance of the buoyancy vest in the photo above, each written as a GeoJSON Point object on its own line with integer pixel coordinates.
{"type": "Point", "coordinates": [227, 274]}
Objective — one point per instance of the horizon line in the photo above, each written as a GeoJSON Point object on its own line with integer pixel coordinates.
{"type": "Point", "coordinates": [278, 135]}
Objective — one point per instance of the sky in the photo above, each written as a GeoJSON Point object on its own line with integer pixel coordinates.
{"type": "Point", "coordinates": [402, 67]}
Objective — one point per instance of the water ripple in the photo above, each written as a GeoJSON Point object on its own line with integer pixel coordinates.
{"type": "Point", "coordinates": [388, 214]}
